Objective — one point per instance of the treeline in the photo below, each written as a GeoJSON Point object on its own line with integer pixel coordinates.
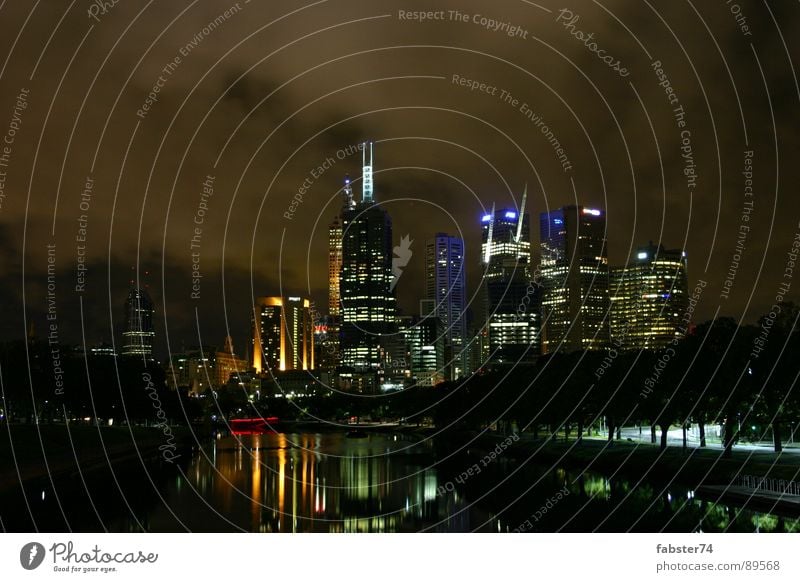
{"type": "Point", "coordinates": [42, 384]}
{"type": "Point", "coordinates": [742, 378]}
{"type": "Point", "coordinates": [735, 376]}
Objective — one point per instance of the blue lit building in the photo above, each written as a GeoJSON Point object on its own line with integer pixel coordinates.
{"type": "Point", "coordinates": [511, 298]}
{"type": "Point", "coordinates": [574, 275]}
{"type": "Point", "coordinates": [446, 288]}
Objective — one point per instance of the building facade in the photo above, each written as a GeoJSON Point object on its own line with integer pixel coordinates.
{"type": "Point", "coordinates": [445, 286]}
{"type": "Point", "coordinates": [424, 340]}
{"type": "Point", "coordinates": [510, 297]}
{"type": "Point", "coordinates": [649, 297]}
{"type": "Point", "coordinates": [334, 266]}
{"type": "Point", "coordinates": [283, 334]}
{"type": "Point", "coordinates": [137, 339]}
{"type": "Point", "coordinates": [228, 363]}
{"type": "Point", "coordinates": [367, 299]}
{"type": "Point", "coordinates": [574, 275]}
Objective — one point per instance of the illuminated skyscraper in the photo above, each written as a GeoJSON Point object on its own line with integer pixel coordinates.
{"type": "Point", "coordinates": [649, 298]}
{"type": "Point", "coordinates": [424, 342]}
{"type": "Point", "coordinates": [365, 285]}
{"type": "Point", "coordinates": [574, 273]}
{"type": "Point", "coordinates": [329, 327]}
{"type": "Point", "coordinates": [334, 265]}
{"type": "Point", "coordinates": [506, 240]}
{"type": "Point", "coordinates": [510, 297]}
{"type": "Point", "coordinates": [445, 286]}
{"type": "Point", "coordinates": [283, 334]}
{"type": "Point", "coordinates": [137, 339]}
{"type": "Point", "coordinates": [514, 322]}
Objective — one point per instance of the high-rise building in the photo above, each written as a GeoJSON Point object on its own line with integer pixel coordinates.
{"type": "Point", "coordinates": [102, 350]}
{"type": "Point", "coordinates": [424, 341]}
{"type": "Point", "coordinates": [574, 274]}
{"type": "Point", "coordinates": [367, 300]}
{"type": "Point", "coordinates": [510, 298]}
{"type": "Point", "coordinates": [328, 328]}
{"type": "Point", "coordinates": [445, 286]}
{"type": "Point", "coordinates": [334, 266]}
{"type": "Point", "coordinates": [506, 237]}
{"type": "Point", "coordinates": [514, 322]}
{"type": "Point", "coordinates": [137, 339]}
{"type": "Point", "coordinates": [194, 369]}
{"type": "Point", "coordinates": [283, 334]}
{"type": "Point", "coordinates": [649, 297]}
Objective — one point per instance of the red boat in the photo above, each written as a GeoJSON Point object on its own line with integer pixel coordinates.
{"type": "Point", "coordinates": [254, 425]}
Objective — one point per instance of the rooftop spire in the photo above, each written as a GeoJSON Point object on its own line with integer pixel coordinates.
{"type": "Point", "coordinates": [488, 250]}
{"type": "Point", "coordinates": [348, 193]}
{"type": "Point", "coordinates": [366, 176]}
{"type": "Point", "coordinates": [521, 213]}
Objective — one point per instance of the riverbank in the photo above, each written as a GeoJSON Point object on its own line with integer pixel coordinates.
{"type": "Point", "coordinates": [61, 451]}
{"type": "Point", "coordinates": [692, 467]}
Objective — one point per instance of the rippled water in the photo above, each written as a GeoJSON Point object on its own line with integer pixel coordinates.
{"type": "Point", "coordinates": [382, 483]}
{"type": "Point", "coordinates": [329, 483]}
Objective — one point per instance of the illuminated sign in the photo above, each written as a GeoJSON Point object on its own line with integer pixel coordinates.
{"type": "Point", "coordinates": [642, 255]}
{"type": "Point", "coordinates": [592, 211]}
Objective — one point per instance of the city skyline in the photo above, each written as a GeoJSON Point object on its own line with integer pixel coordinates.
{"type": "Point", "coordinates": [509, 281]}
{"type": "Point", "coordinates": [639, 201]}
{"type": "Point", "coordinates": [281, 267]}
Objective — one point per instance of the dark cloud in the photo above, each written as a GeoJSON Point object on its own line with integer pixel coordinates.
{"type": "Point", "coordinates": [389, 80]}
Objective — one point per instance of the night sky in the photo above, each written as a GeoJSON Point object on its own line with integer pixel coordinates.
{"type": "Point", "coordinates": [261, 99]}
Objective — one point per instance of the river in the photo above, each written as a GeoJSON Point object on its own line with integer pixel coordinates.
{"type": "Point", "coordinates": [381, 483]}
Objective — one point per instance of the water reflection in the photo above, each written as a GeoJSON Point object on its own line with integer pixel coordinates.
{"type": "Point", "coordinates": [305, 483]}
{"type": "Point", "coordinates": [616, 505]}
{"type": "Point", "coordinates": [329, 483]}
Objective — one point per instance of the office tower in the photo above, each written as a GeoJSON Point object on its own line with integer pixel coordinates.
{"type": "Point", "coordinates": [425, 346]}
{"type": "Point", "coordinates": [574, 274]}
{"type": "Point", "coordinates": [137, 339]}
{"type": "Point", "coordinates": [445, 286]}
{"type": "Point", "coordinates": [194, 369]}
{"type": "Point", "coordinates": [102, 350]}
{"type": "Point", "coordinates": [367, 299]}
{"type": "Point", "coordinates": [514, 323]}
{"type": "Point", "coordinates": [511, 299]}
{"type": "Point", "coordinates": [506, 240]}
{"type": "Point", "coordinates": [329, 327]}
{"type": "Point", "coordinates": [334, 265]}
{"type": "Point", "coordinates": [649, 297]}
{"type": "Point", "coordinates": [283, 334]}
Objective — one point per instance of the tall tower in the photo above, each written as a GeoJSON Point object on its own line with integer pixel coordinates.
{"type": "Point", "coordinates": [334, 265]}
{"type": "Point", "coordinates": [283, 334]}
{"type": "Point", "coordinates": [575, 279]}
{"type": "Point", "coordinates": [445, 286]}
{"type": "Point", "coordinates": [649, 297]}
{"type": "Point", "coordinates": [367, 300]}
{"type": "Point", "coordinates": [506, 238]}
{"type": "Point", "coordinates": [137, 339]}
{"type": "Point", "coordinates": [511, 300]}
